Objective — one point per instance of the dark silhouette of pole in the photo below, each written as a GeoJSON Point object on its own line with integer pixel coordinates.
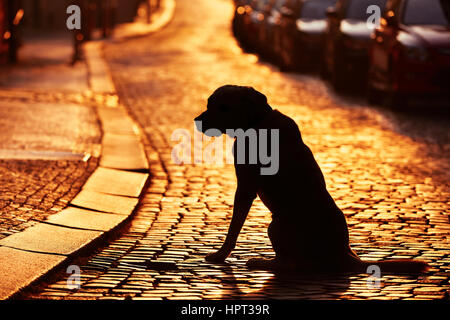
{"type": "Point", "coordinates": [15, 14]}
{"type": "Point", "coordinates": [83, 34]}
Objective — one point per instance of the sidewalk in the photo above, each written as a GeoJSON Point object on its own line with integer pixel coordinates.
{"type": "Point", "coordinates": [44, 158]}
{"type": "Point", "coordinates": [44, 65]}
{"type": "Point", "coordinates": [85, 153]}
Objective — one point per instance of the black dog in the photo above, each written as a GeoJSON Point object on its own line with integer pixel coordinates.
{"type": "Point", "coordinates": [308, 231]}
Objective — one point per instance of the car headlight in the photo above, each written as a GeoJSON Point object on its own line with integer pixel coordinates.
{"type": "Point", "coordinates": [416, 53]}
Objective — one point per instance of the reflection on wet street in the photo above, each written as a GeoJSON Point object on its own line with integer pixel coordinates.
{"type": "Point", "coordinates": [387, 170]}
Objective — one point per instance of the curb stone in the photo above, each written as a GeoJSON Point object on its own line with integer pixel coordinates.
{"type": "Point", "coordinates": [109, 197]}
{"type": "Point", "coordinates": [136, 30]}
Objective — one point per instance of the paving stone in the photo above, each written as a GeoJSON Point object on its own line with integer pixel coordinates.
{"type": "Point", "coordinates": [100, 82]}
{"type": "Point", "coordinates": [116, 182]}
{"type": "Point", "coordinates": [123, 152]}
{"type": "Point", "coordinates": [105, 202]}
{"type": "Point", "coordinates": [86, 219]}
{"type": "Point", "coordinates": [116, 121]}
{"type": "Point", "coordinates": [46, 238]}
{"type": "Point", "coordinates": [19, 268]}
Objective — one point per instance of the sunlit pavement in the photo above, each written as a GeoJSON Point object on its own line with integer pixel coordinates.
{"type": "Point", "coordinates": [391, 180]}
{"type": "Point", "coordinates": [47, 129]}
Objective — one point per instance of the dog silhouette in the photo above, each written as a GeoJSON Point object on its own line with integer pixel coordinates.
{"type": "Point", "coordinates": [308, 231]}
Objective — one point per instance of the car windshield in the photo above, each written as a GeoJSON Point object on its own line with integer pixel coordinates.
{"type": "Point", "coordinates": [357, 9]}
{"type": "Point", "coordinates": [427, 12]}
{"type": "Point", "coordinates": [314, 9]}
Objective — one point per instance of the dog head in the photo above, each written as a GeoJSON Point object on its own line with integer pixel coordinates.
{"type": "Point", "coordinates": [233, 107]}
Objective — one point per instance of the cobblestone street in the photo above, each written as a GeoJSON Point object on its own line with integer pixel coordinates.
{"type": "Point", "coordinates": [387, 170]}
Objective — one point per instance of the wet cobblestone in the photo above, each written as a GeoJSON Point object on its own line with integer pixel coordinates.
{"type": "Point", "coordinates": [392, 188]}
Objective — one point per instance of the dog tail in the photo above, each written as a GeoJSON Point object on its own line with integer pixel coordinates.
{"type": "Point", "coordinates": [399, 266]}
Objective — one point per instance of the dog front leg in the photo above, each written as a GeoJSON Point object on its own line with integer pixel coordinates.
{"type": "Point", "coordinates": [242, 203]}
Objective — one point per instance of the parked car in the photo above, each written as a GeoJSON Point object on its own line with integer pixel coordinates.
{"type": "Point", "coordinates": [264, 12]}
{"type": "Point", "coordinates": [410, 51]}
{"type": "Point", "coordinates": [248, 21]}
{"type": "Point", "coordinates": [347, 42]}
{"type": "Point", "coordinates": [241, 16]}
{"type": "Point", "coordinates": [288, 14]}
{"type": "Point", "coordinates": [257, 16]}
{"type": "Point", "coordinates": [269, 28]}
{"type": "Point", "coordinates": [303, 33]}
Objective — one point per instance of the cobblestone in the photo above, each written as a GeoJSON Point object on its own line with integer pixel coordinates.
{"type": "Point", "coordinates": [392, 187]}
{"type": "Point", "coordinates": [32, 190]}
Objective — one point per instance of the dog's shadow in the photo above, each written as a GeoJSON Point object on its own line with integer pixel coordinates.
{"type": "Point", "coordinates": [248, 284]}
